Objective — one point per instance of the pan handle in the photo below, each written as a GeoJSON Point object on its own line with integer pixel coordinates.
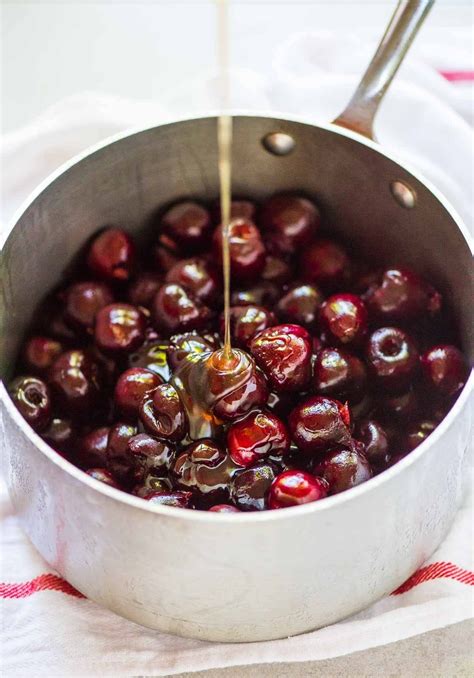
{"type": "Point", "coordinates": [360, 112]}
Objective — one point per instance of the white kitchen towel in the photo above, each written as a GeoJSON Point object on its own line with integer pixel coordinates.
{"type": "Point", "coordinates": [47, 627]}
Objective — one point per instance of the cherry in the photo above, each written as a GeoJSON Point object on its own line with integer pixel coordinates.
{"type": "Point", "coordinates": [276, 270]}
{"type": "Point", "coordinates": [103, 476]}
{"type": "Point", "coordinates": [75, 382]}
{"type": "Point", "coordinates": [60, 434]}
{"type": "Point", "coordinates": [150, 484]}
{"type": "Point", "coordinates": [283, 353]}
{"type": "Point", "coordinates": [206, 470]}
{"type": "Point", "coordinates": [325, 263]}
{"type": "Point", "coordinates": [164, 258]}
{"type": "Point", "coordinates": [162, 414]}
{"type": "Point", "coordinates": [174, 498]}
{"type": "Point", "coordinates": [149, 457]}
{"type": "Point", "coordinates": [318, 423]}
{"type": "Point", "coordinates": [376, 441]}
{"type": "Point", "coordinates": [400, 406]}
{"type": "Point", "coordinates": [198, 277]}
{"type": "Point", "coordinates": [92, 448]}
{"type": "Point", "coordinates": [153, 357]}
{"type": "Point", "coordinates": [249, 488]}
{"type": "Point", "coordinates": [256, 436]}
{"type": "Point", "coordinates": [293, 488]}
{"type": "Point", "coordinates": [246, 250]}
{"type": "Point", "coordinates": [119, 328]}
{"type": "Point", "coordinates": [175, 310]}
{"type": "Point", "coordinates": [444, 369]}
{"type": "Point", "coordinates": [249, 392]}
{"type": "Point", "coordinates": [392, 358]}
{"type": "Point", "coordinates": [83, 301]}
{"type": "Point", "coordinates": [119, 459]}
{"type": "Point", "coordinates": [188, 224]}
{"type": "Point", "coordinates": [418, 433]}
{"type": "Point", "coordinates": [340, 374]}
{"type": "Point", "coordinates": [142, 291]}
{"type": "Point", "coordinates": [343, 320]}
{"type": "Point", "coordinates": [281, 404]}
{"type": "Point", "coordinates": [39, 353]}
{"type": "Point", "coordinates": [189, 343]}
{"type": "Point", "coordinates": [300, 305]}
{"type": "Point", "coordinates": [32, 398]}
{"type": "Point", "coordinates": [50, 319]}
{"type": "Point", "coordinates": [246, 322]}
{"type": "Point", "coordinates": [132, 387]}
{"type": "Point", "coordinates": [343, 469]}
{"type": "Point", "coordinates": [290, 222]}
{"type": "Point", "coordinates": [239, 209]}
{"type": "Point", "coordinates": [112, 255]}
{"type": "Point", "coordinates": [264, 294]}
{"type": "Point", "coordinates": [402, 296]}
{"type": "Point", "coordinates": [224, 508]}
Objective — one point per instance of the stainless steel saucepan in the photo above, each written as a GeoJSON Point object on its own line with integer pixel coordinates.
{"type": "Point", "coordinates": [241, 577]}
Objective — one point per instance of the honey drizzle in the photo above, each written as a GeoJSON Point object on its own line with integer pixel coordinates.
{"type": "Point", "coordinates": [224, 141]}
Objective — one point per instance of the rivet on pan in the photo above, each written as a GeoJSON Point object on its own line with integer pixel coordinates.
{"type": "Point", "coordinates": [278, 143]}
{"type": "Point", "coordinates": [403, 194]}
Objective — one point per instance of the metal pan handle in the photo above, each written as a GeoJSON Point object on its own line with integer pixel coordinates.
{"type": "Point", "coordinates": [360, 112]}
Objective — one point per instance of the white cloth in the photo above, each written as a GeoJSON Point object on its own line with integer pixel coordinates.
{"type": "Point", "coordinates": [51, 633]}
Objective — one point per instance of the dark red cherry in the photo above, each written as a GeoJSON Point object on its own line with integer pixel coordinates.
{"type": "Point", "coordinates": [264, 293]}
{"type": "Point", "coordinates": [300, 305]}
{"type": "Point", "coordinates": [198, 277]}
{"type": "Point", "coordinates": [150, 484]}
{"type": "Point", "coordinates": [418, 433]}
{"type": "Point", "coordinates": [39, 353]}
{"type": "Point", "coordinates": [162, 414]}
{"type": "Point", "coordinates": [249, 488]}
{"type": "Point", "coordinates": [257, 436]}
{"type": "Point", "coordinates": [103, 476]}
{"type": "Point", "coordinates": [75, 382]}
{"type": "Point", "coordinates": [318, 423]}
{"type": "Point", "coordinates": [61, 435]}
{"type": "Point", "coordinates": [246, 322]}
{"type": "Point", "coordinates": [293, 488]}
{"type": "Point", "coordinates": [401, 407]}
{"type": "Point", "coordinates": [343, 469]}
{"type": "Point", "coordinates": [183, 345]}
{"type": "Point", "coordinates": [154, 357]}
{"type": "Point", "coordinates": [276, 270]}
{"type": "Point", "coordinates": [289, 222]}
{"type": "Point", "coordinates": [173, 498]}
{"type": "Point", "coordinates": [339, 374]}
{"type": "Point", "coordinates": [174, 310]}
{"type": "Point", "coordinates": [142, 291]}
{"type": "Point", "coordinates": [224, 508]}
{"type": "Point", "coordinates": [83, 301]}
{"type": "Point", "coordinates": [283, 353]}
{"type": "Point", "coordinates": [325, 263]}
{"type": "Point", "coordinates": [246, 250]}
{"type": "Point", "coordinates": [343, 320]}
{"type": "Point", "coordinates": [239, 209]}
{"type": "Point", "coordinates": [112, 255]}
{"type": "Point", "coordinates": [132, 387]}
{"type": "Point", "coordinates": [402, 296]}
{"type": "Point", "coordinates": [444, 369]}
{"type": "Point", "coordinates": [119, 328]}
{"type": "Point", "coordinates": [248, 391]}
{"type": "Point", "coordinates": [92, 448]}
{"type": "Point", "coordinates": [32, 398]}
{"type": "Point", "coordinates": [164, 258]}
{"type": "Point", "coordinates": [149, 457]}
{"type": "Point", "coordinates": [206, 470]}
{"type": "Point", "coordinates": [392, 358]}
{"type": "Point", "coordinates": [376, 440]}
{"type": "Point", "coordinates": [188, 224]}
{"type": "Point", "coordinates": [119, 459]}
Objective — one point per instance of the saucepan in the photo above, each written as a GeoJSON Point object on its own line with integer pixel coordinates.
{"type": "Point", "coordinates": [242, 577]}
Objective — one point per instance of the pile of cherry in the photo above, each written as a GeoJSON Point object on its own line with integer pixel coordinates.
{"type": "Point", "coordinates": [353, 366]}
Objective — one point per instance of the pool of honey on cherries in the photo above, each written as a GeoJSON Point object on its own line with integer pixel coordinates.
{"type": "Point", "coordinates": [351, 365]}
